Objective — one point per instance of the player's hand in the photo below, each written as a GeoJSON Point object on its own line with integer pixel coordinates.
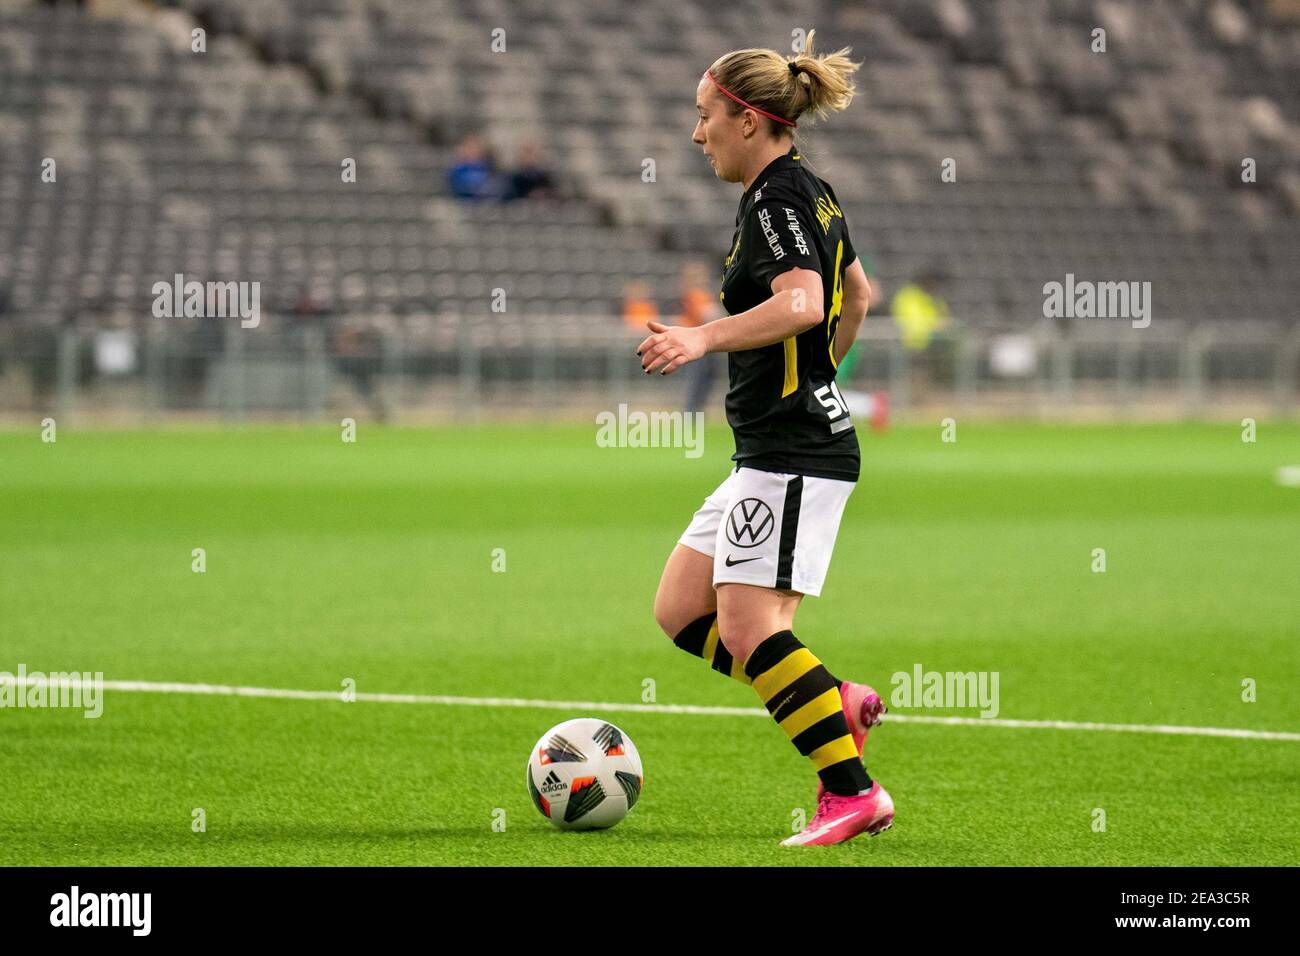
{"type": "Point", "coordinates": [668, 348]}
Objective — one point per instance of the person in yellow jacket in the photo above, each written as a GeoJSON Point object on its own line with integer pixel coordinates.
{"type": "Point", "coordinates": [919, 312]}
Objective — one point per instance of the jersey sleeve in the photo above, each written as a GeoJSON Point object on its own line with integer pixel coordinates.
{"type": "Point", "coordinates": [850, 253]}
{"type": "Point", "coordinates": [779, 235]}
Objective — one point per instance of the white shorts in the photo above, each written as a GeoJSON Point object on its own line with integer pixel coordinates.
{"type": "Point", "coordinates": [770, 529]}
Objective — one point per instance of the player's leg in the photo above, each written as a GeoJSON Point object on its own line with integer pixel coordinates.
{"type": "Point", "coordinates": [755, 625]}
{"type": "Point", "coordinates": [685, 590]}
{"type": "Point", "coordinates": [773, 547]}
{"type": "Point", "coordinates": [686, 609]}
{"type": "Point", "coordinates": [805, 701]}
{"type": "Point", "coordinates": [685, 604]}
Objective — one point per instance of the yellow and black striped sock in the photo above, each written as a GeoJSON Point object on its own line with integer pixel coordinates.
{"type": "Point", "coordinates": [700, 638]}
{"type": "Point", "coordinates": [804, 699]}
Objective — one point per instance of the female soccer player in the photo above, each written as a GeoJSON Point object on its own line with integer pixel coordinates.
{"type": "Point", "coordinates": [795, 295]}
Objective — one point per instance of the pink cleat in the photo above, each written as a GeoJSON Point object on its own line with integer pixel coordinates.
{"type": "Point", "coordinates": [862, 709]}
{"type": "Point", "coordinates": [842, 818]}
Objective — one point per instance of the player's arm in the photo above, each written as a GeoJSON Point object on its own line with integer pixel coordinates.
{"type": "Point", "coordinates": [795, 306]}
{"type": "Point", "coordinates": [779, 258]}
{"type": "Point", "coordinates": [857, 298]}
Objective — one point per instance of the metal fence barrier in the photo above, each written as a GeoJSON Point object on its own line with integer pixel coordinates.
{"type": "Point", "coordinates": [470, 367]}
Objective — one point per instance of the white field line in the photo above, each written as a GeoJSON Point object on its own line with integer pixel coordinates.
{"type": "Point", "coordinates": [1288, 476]}
{"type": "Point", "coordinates": [222, 690]}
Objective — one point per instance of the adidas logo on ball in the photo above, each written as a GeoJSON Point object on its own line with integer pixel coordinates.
{"type": "Point", "coordinates": [584, 774]}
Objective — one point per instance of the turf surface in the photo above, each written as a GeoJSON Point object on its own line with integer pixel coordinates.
{"type": "Point", "coordinates": [374, 562]}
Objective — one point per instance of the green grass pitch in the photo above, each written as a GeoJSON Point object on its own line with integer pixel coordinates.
{"type": "Point", "coordinates": [373, 562]}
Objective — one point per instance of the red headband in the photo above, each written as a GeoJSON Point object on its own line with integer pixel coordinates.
{"type": "Point", "coordinates": [709, 74]}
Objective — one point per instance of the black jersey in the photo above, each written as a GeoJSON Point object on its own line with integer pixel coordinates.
{"type": "Point", "coordinates": [783, 406]}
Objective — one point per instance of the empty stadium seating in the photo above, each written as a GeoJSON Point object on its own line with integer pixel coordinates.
{"type": "Point", "coordinates": [226, 163]}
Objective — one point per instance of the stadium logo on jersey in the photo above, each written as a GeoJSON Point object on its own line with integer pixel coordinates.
{"type": "Point", "coordinates": [765, 220]}
{"type": "Point", "coordinates": [750, 523]}
{"type": "Point", "coordinates": [792, 223]}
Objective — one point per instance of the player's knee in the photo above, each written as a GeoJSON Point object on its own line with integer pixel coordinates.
{"type": "Point", "coordinates": [668, 615]}
{"type": "Point", "coordinates": [673, 615]}
{"type": "Point", "coordinates": [737, 635]}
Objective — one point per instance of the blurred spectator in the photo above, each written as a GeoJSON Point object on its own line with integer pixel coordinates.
{"type": "Point", "coordinates": [918, 310]}
{"type": "Point", "coordinates": [203, 352]}
{"type": "Point", "coordinates": [530, 179]}
{"type": "Point", "coordinates": [638, 306]}
{"type": "Point", "coordinates": [699, 305]}
{"type": "Point", "coordinates": [38, 342]}
{"type": "Point", "coordinates": [308, 312]}
{"type": "Point", "coordinates": [5, 323]}
{"type": "Point", "coordinates": [473, 175]}
{"type": "Point", "coordinates": [358, 355]}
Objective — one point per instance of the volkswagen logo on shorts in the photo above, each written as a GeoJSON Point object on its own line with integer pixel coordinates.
{"type": "Point", "coordinates": [750, 523]}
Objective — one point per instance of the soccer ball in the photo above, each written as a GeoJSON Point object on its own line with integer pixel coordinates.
{"type": "Point", "coordinates": [584, 774]}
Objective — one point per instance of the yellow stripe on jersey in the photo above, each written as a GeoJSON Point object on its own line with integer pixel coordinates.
{"type": "Point", "coordinates": [837, 304]}
{"type": "Point", "coordinates": [734, 250]}
{"type": "Point", "coordinates": [791, 366]}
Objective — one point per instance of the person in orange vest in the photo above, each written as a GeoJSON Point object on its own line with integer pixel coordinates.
{"type": "Point", "coordinates": [638, 306]}
{"type": "Point", "coordinates": [699, 306]}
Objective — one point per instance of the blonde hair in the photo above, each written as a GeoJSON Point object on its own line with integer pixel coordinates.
{"type": "Point", "coordinates": [765, 79]}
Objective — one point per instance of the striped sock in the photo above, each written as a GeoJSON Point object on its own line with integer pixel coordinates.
{"type": "Point", "coordinates": [804, 700]}
{"type": "Point", "coordinates": [700, 638]}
